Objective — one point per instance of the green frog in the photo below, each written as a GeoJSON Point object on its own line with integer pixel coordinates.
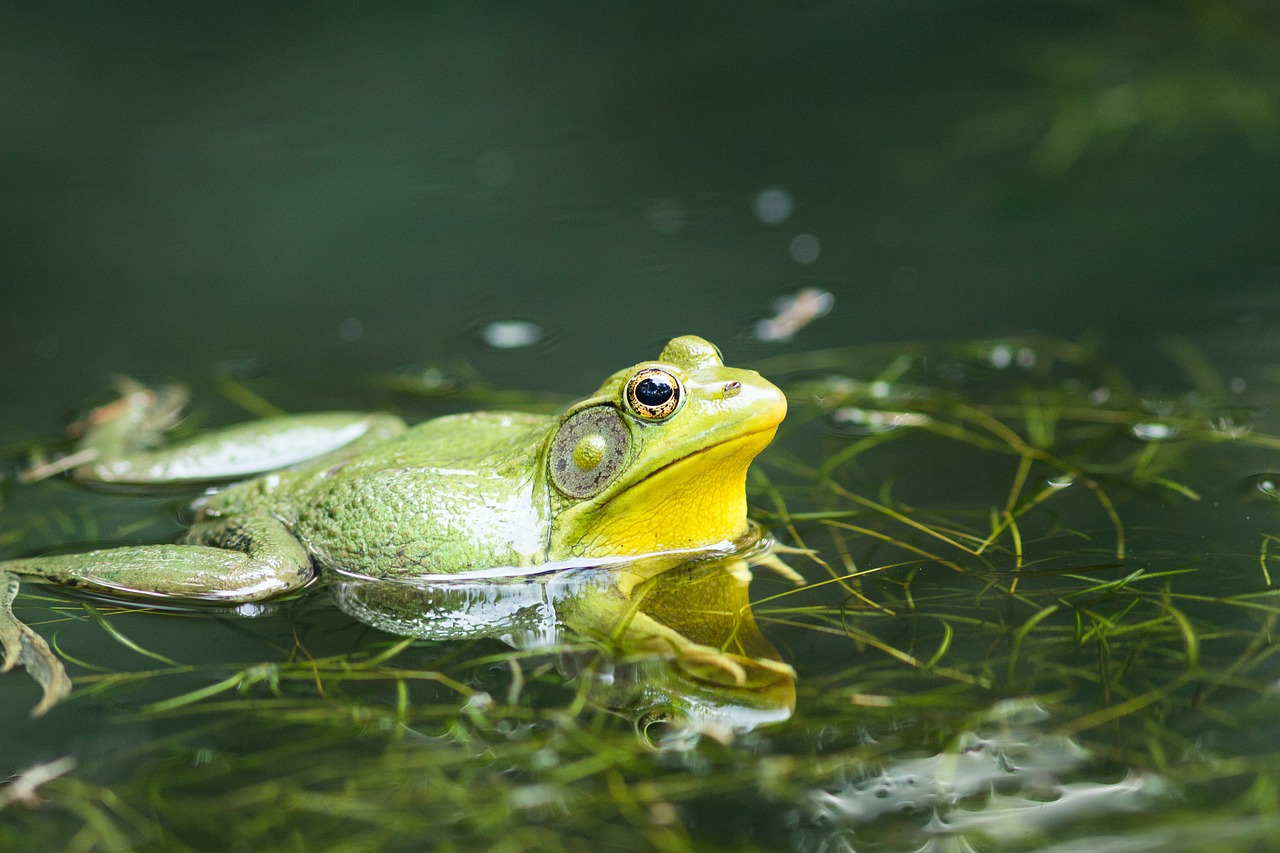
{"type": "Point", "coordinates": [654, 461]}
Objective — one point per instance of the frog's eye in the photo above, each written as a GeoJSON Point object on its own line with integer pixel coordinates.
{"type": "Point", "coordinates": [589, 451]}
{"type": "Point", "coordinates": [653, 393]}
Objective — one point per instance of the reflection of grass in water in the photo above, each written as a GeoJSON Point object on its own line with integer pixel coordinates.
{"type": "Point", "coordinates": [1028, 577]}
{"type": "Point", "coordinates": [1038, 595]}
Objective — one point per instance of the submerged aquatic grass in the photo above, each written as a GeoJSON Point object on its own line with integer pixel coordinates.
{"type": "Point", "coordinates": [1037, 611]}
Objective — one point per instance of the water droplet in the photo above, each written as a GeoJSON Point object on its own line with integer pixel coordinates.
{"type": "Point", "coordinates": [906, 278]}
{"type": "Point", "coordinates": [495, 169]}
{"type": "Point", "coordinates": [667, 216]}
{"type": "Point", "coordinates": [511, 334]}
{"type": "Point", "coordinates": [805, 248]}
{"type": "Point", "coordinates": [1154, 431]}
{"type": "Point", "coordinates": [1229, 425]}
{"type": "Point", "coordinates": [1266, 483]}
{"type": "Point", "coordinates": [351, 329]}
{"type": "Point", "coordinates": [433, 380]}
{"type": "Point", "coordinates": [773, 206]}
{"type": "Point", "coordinates": [479, 701]}
{"type": "Point", "coordinates": [889, 233]}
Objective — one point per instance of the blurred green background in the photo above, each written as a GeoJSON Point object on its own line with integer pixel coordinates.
{"type": "Point", "coordinates": [183, 187]}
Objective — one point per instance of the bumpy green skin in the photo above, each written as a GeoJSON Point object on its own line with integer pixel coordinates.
{"type": "Point", "coordinates": [363, 493]}
{"type": "Point", "coordinates": [452, 494]}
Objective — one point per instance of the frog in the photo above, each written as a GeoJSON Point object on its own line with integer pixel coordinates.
{"type": "Point", "coordinates": [655, 461]}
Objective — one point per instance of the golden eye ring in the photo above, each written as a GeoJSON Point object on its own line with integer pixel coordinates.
{"type": "Point", "coordinates": [654, 394]}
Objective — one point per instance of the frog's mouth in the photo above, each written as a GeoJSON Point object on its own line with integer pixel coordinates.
{"type": "Point", "coordinates": [754, 441]}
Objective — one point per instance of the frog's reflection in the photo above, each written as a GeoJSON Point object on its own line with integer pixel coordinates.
{"type": "Point", "coordinates": [674, 645]}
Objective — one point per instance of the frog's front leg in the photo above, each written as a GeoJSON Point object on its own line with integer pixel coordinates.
{"type": "Point", "coordinates": [120, 442]}
{"type": "Point", "coordinates": [232, 560]}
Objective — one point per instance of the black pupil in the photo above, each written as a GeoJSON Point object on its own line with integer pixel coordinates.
{"type": "Point", "coordinates": [654, 391]}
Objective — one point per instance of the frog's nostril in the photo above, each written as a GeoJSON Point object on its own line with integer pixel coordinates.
{"type": "Point", "coordinates": [731, 389]}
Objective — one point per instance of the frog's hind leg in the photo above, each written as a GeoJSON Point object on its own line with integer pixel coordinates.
{"type": "Point", "coordinates": [120, 442]}
{"type": "Point", "coordinates": [242, 451]}
{"type": "Point", "coordinates": [228, 560]}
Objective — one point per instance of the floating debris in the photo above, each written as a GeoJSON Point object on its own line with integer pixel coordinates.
{"type": "Point", "coordinates": [853, 419]}
{"type": "Point", "coordinates": [793, 313]}
{"type": "Point", "coordinates": [22, 788]}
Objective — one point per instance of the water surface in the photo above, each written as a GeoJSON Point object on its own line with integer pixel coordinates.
{"type": "Point", "coordinates": [1030, 447]}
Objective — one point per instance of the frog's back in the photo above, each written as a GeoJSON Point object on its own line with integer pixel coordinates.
{"type": "Point", "coordinates": [479, 441]}
{"type": "Point", "coordinates": [451, 494]}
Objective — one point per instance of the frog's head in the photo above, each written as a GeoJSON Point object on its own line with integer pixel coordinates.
{"type": "Point", "coordinates": [656, 460]}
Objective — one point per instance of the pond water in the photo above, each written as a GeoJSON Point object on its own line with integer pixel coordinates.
{"type": "Point", "coordinates": [1026, 490]}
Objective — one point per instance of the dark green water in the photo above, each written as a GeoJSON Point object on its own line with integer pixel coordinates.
{"type": "Point", "coordinates": [305, 201]}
